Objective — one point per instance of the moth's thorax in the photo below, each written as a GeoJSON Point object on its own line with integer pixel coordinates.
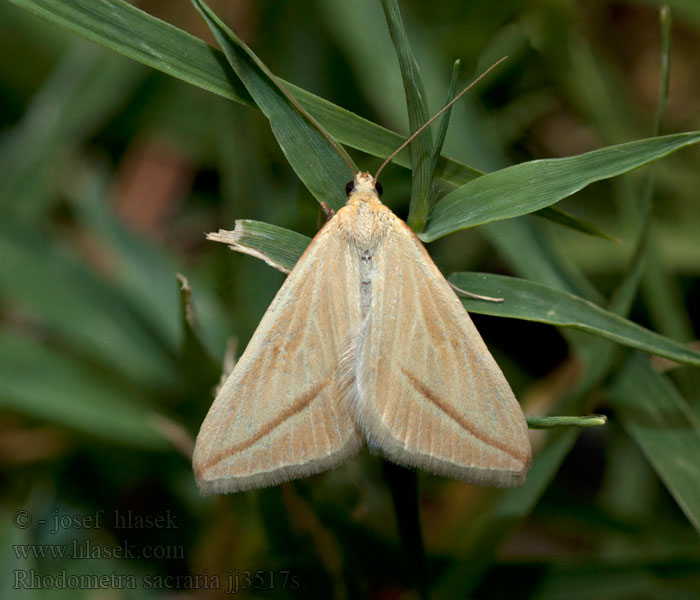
{"type": "Point", "coordinates": [367, 220]}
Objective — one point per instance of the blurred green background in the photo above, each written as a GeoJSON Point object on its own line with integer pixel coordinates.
{"type": "Point", "coordinates": [111, 173]}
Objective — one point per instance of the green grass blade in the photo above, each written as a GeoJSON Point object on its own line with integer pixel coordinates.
{"type": "Point", "coordinates": [421, 147]}
{"type": "Point", "coordinates": [553, 422]}
{"type": "Point", "coordinates": [278, 247]}
{"type": "Point", "coordinates": [530, 186]}
{"type": "Point", "coordinates": [535, 302]}
{"type": "Point", "coordinates": [665, 428]}
{"type": "Point", "coordinates": [445, 120]}
{"type": "Point", "coordinates": [129, 31]}
{"type": "Point", "coordinates": [146, 39]}
{"type": "Point", "coordinates": [311, 155]}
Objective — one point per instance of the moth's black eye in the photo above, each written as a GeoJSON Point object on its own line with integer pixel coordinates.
{"type": "Point", "coordinates": [349, 187]}
{"type": "Point", "coordinates": [378, 188]}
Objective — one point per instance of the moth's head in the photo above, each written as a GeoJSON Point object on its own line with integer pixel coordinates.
{"type": "Point", "coordinates": [363, 185]}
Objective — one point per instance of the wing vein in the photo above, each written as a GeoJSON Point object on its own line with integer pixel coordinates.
{"type": "Point", "coordinates": [296, 407]}
{"type": "Point", "coordinates": [429, 395]}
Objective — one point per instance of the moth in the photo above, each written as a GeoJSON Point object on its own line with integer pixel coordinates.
{"type": "Point", "coordinates": [365, 342]}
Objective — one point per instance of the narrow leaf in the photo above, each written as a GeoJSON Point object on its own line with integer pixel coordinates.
{"type": "Point", "coordinates": [146, 39]}
{"type": "Point", "coordinates": [530, 186]}
{"type": "Point", "coordinates": [131, 32]}
{"type": "Point", "coordinates": [421, 146]}
{"type": "Point", "coordinates": [312, 156]}
{"type": "Point", "coordinates": [445, 121]}
{"type": "Point", "coordinates": [278, 247]}
{"type": "Point", "coordinates": [552, 422]}
{"type": "Point", "coordinates": [535, 302]}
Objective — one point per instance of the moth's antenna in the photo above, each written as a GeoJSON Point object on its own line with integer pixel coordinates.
{"type": "Point", "coordinates": [450, 103]}
{"type": "Point", "coordinates": [305, 113]}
